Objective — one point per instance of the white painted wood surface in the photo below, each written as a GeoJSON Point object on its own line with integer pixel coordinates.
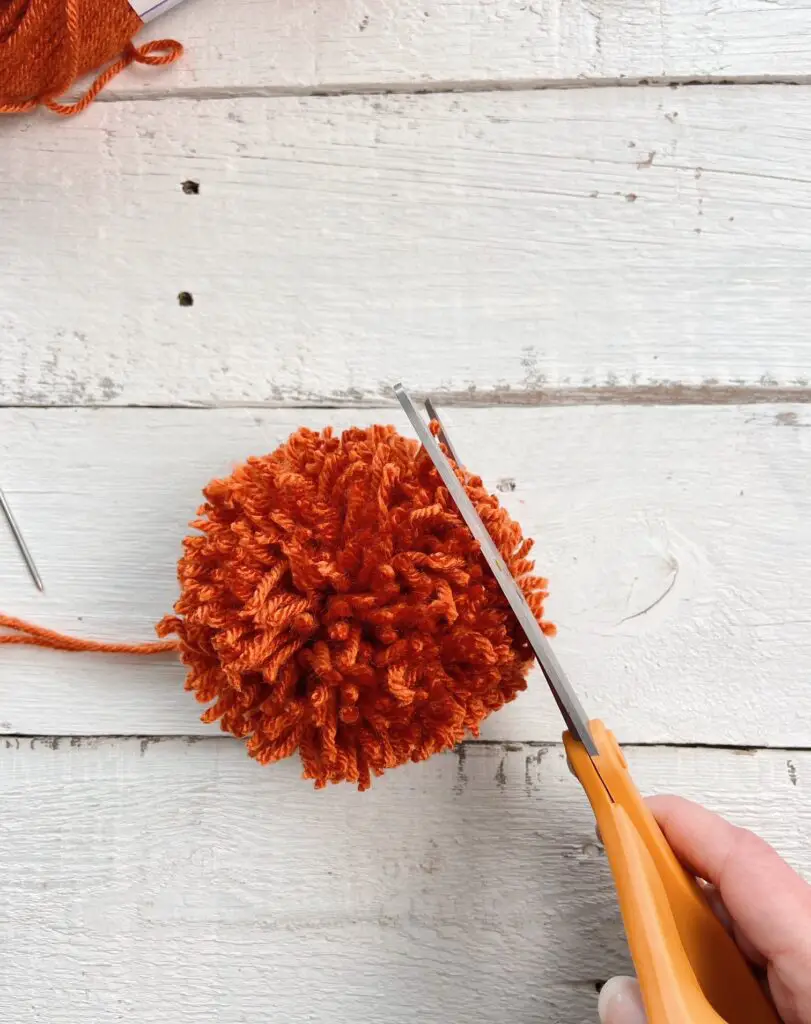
{"type": "Point", "coordinates": [169, 881]}
{"type": "Point", "coordinates": [508, 246]}
{"type": "Point", "coordinates": [527, 240]}
{"type": "Point", "coordinates": [675, 539]}
{"type": "Point", "coordinates": [325, 44]}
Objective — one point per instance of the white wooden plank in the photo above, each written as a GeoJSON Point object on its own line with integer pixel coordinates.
{"type": "Point", "coordinates": [356, 43]}
{"type": "Point", "coordinates": [168, 881]}
{"type": "Point", "coordinates": [675, 539]}
{"type": "Point", "coordinates": [503, 246]}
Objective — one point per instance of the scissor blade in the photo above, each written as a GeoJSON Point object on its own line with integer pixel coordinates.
{"type": "Point", "coordinates": [430, 408]}
{"type": "Point", "coordinates": [565, 697]}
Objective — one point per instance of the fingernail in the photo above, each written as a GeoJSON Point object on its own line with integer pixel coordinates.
{"type": "Point", "coordinates": [620, 1002]}
{"type": "Point", "coordinates": [713, 897]}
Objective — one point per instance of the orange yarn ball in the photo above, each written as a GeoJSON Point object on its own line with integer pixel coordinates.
{"type": "Point", "coordinates": [45, 45]}
{"type": "Point", "coordinates": [335, 603]}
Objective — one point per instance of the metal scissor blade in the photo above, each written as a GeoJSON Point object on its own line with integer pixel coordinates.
{"type": "Point", "coordinates": [565, 697]}
{"type": "Point", "coordinates": [430, 408]}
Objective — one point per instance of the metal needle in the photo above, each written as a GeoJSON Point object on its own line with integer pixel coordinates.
{"type": "Point", "coordinates": [20, 540]}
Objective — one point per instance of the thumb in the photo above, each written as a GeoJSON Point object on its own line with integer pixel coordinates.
{"type": "Point", "coordinates": [620, 1002]}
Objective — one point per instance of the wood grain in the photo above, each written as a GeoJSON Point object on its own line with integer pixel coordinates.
{"type": "Point", "coordinates": [501, 247]}
{"type": "Point", "coordinates": [172, 881]}
{"type": "Point", "coordinates": [676, 542]}
{"type": "Point", "coordinates": [355, 44]}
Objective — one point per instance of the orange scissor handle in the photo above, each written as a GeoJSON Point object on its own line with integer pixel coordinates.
{"type": "Point", "coordinates": [690, 970]}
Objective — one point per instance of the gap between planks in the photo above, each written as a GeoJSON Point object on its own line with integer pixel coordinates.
{"type": "Point", "coordinates": [54, 741]}
{"type": "Point", "coordinates": [665, 394]}
{"type": "Point", "coordinates": [448, 86]}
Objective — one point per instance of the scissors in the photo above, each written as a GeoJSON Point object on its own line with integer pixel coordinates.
{"type": "Point", "coordinates": [689, 968]}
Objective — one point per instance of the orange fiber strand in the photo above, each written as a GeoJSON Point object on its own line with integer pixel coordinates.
{"type": "Point", "coordinates": [36, 636]}
{"type": "Point", "coordinates": [45, 45]}
{"type": "Point", "coordinates": [333, 603]}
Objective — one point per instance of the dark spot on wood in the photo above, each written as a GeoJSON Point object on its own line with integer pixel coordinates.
{"type": "Point", "coordinates": [630, 197]}
{"type": "Point", "coordinates": [698, 172]}
{"type": "Point", "coordinates": [501, 775]}
{"type": "Point", "coordinates": [109, 389]}
{"type": "Point", "coordinates": [505, 484]}
{"type": "Point", "coordinates": [431, 863]}
{"type": "Point", "coordinates": [185, 299]}
{"type": "Point", "coordinates": [530, 772]}
{"type": "Point", "coordinates": [364, 23]}
{"type": "Point", "coordinates": [672, 116]}
{"type": "Point", "coordinates": [512, 748]}
{"type": "Point", "coordinates": [730, 219]}
{"type": "Point", "coordinates": [786, 419]}
{"type": "Point", "coordinates": [792, 772]}
{"type": "Point", "coordinates": [594, 195]}
{"type": "Point", "coordinates": [461, 775]}
{"type": "Point", "coordinates": [631, 145]}
{"type": "Point", "coordinates": [144, 744]}
{"type": "Point", "coordinates": [51, 742]}
{"type": "Point", "coordinates": [191, 188]}
{"type": "Point", "coordinates": [648, 161]}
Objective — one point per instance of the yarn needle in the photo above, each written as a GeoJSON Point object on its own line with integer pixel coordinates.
{"type": "Point", "coordinates": [20, 541]}
{"type": "Point", "coordinates": [562, 690]}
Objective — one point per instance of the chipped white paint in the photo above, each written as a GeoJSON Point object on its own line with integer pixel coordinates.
{"type": "Point", "coordinates": [676, 541]}
{"type": "Point", "coordinates": [346, 44]}
{"type": "Point", "coordinates": [169, 882]}
{"type": "Point", "coordinates": [507, 244]}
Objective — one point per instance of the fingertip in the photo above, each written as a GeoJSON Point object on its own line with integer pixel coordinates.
{"type": "Point", "coordinates": [620, 1002]}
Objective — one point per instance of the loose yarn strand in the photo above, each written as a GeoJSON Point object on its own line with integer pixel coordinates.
{"type": "Point", "coordinates": [36, 636]}
{"type": "Point", "coordinates": [33, 69]}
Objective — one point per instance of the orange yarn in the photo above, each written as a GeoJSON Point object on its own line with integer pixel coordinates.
{"type": "Point", "coordinates": [45, 45]}
{"type": "Point", "coordinates": [35, 636]}
{"type": "Point", "coordinates": [334, 602]}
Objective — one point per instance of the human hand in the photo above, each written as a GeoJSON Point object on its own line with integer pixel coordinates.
{"type": "Point", "coordinates": [764, 904]}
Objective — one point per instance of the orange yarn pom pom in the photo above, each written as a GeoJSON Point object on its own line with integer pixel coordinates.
{"type": "Point", "coordinates": [336, 603]}
{"type": "Point", "coordinates": [45, 45]}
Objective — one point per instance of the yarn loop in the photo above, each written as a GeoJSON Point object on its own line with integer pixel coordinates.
{"type": "Point", "coordinates": [45, 45]}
